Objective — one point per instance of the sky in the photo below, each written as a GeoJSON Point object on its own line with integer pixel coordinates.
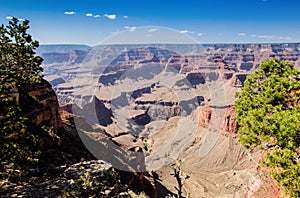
{"type": "Point", "coordinates": [209, 21]}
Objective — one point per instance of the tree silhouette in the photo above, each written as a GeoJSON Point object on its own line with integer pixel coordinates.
{"type": "Point", "coordinates": [180, 178]}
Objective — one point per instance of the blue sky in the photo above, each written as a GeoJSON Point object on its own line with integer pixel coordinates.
{"type": "Point", "coordinates": [91, 21]}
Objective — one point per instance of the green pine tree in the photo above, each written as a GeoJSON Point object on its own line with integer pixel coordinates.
{"type": "Point", "coordinates": [18, 66]}
{"type": "Point", "coordinates": [268, 113]}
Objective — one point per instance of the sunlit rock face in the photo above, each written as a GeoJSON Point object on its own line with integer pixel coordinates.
{"type": "Point", "coordinates": [230, 122]}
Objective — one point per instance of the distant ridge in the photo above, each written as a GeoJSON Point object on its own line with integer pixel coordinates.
{"type": "Point", "coordinates": [221, 45]}
{"type": "Point", "coordinates": [179, 48]}
{"type": "Point", "coordinates": [63, 48]}
{"type": "Point", "coordinates": [60, 48]}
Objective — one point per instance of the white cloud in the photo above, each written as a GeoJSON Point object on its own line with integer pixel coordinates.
{"type": "Point", "coordinates": [200, 34]}
{"type": "Point", "coordinates": [270, 37]}
{"type": "Point", "coordinates": [116, 32]}
{"type": "Point", "coordinates": [148, 35]}
{"type": "Point", "coordinates": [70, 13]}
{"type": "Point", "coordinates": [125, 17]}
{"type": "Point", "coordinates": [89, 15]}
{"type": "Point", "coordinates": [97, 16]}
{"type": "Point", "coordinates": [267, 37]}
{"type": "Point", "coordinates": [111, 16]}
{"type": "Point", "coordinates": [186, 31]}
{"type": "Point", "coordinates": [262, 36]}
{"type": "Point", "coordinates": [183, 31]}
{"type": "Point", "coordinates": [131, 29]}
{"type": "Point", "coordinates": [152, 30]}
{"type": "Point", "coordinates": [10, 18]}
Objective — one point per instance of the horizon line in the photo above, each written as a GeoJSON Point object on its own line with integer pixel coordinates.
{"type": "Point", "coordinates": [209, 43]}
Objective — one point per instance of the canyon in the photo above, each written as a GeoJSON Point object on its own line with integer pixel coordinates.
{"type": "Point", "coordinates": [142, 108]}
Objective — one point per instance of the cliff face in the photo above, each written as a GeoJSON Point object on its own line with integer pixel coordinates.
{"type": "Point", "coordinates": [40, 103]}
{"type": "Point", "coordinates": [60, 143]}
{"type": "Point", "coordinates": [74, 56]}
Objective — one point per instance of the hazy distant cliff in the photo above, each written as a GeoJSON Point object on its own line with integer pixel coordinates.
{"type": "Point", "coordinates": [216, 61]}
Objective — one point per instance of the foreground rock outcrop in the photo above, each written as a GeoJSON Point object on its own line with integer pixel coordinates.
{"type": "Point", "coordinates": [58, 143]}
{"type": "Point", "coordinates": [39, 102]}
{"type": "Point", "coordinates": [84, 179]}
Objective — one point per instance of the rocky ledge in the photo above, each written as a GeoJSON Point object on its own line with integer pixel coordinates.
{"type": "Point", "coordinates": [84, 179]}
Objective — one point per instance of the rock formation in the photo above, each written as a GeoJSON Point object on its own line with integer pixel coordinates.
{"type": "Point", "coordinates": [205, 116]}
{"type": "Point", "coordinates": [230, 122]}
{"type": "Point", "coordinates": [238, 80]}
